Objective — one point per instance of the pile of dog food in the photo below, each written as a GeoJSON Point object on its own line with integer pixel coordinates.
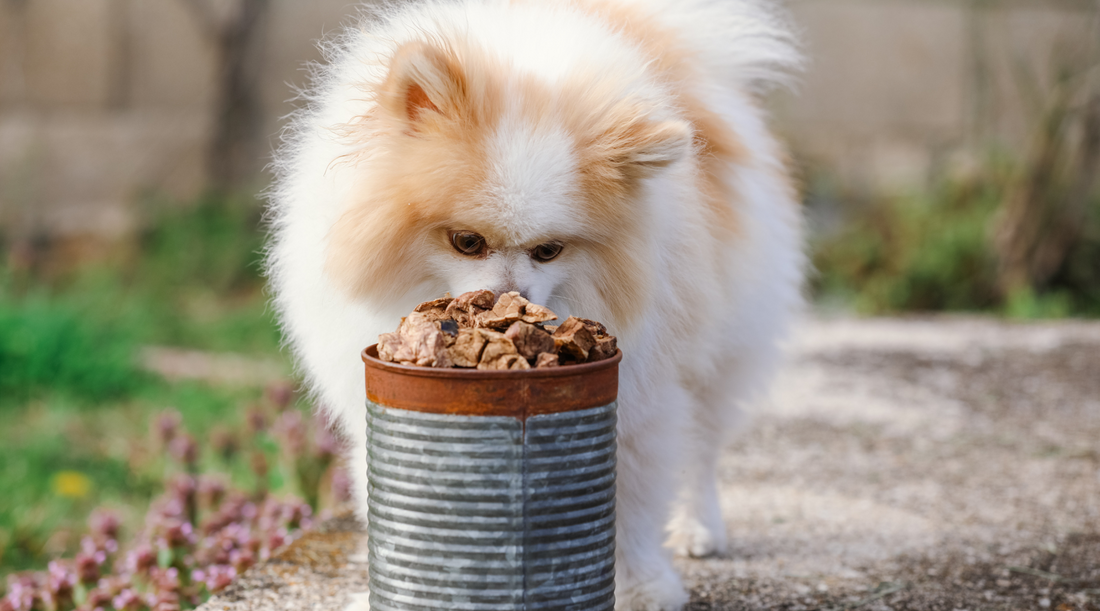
{"type": "Point", "coordinates": [478, 329]}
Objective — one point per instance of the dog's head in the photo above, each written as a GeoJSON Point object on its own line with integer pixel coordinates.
{"type": "Point", "coordinates": [478, 175]}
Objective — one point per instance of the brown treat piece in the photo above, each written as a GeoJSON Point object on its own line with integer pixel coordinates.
{"type": "Point", "coordinates": [483, 299]}
{"type": "Point", "coordinates": [604, 349]}
{"type": "Point", "coordinates": [388, 345]}
{"type": "Point", "coordinates": [496, 347]}
{"type": "Point", "coordinates": [597, 328]}
{"type": "Point", "coordinates": [507, 361]}
{"type": "Point", "coordinates": [574, 339]}
{"type": "Point", "coordinates": [491, 320]}
{"type": "Point", "coordinates": [465, 308]}
{"type": "Point", "coordinates": [435, 309]}
{"type": "Point", "coordinates": [422, 342]}
{"type": "Point", "coordinates": [551, 329]}
{"type": "Point", "coordinates": [534, 313]}
{"type": "Point", "coordinates": [466, 351]}
{"type": "Point", "coordinates": [546, 359]}
{"type": "Point", "coordinates": [508, 309]}
{"type": "Point", "coordinates": [529, 339]}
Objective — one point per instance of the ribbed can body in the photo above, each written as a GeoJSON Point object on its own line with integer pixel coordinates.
{"type": "Point", "coordinates": [480, 513]}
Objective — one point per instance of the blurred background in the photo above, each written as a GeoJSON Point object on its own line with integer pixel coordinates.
{"type": "Point", "coordinates": [948, 150]}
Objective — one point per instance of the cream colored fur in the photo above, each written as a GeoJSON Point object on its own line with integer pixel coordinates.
{"type": "Point", "coordinates": [683, 387]}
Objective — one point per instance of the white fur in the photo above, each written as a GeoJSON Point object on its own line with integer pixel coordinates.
{"type": "Point", "coordinates": [672, 418]}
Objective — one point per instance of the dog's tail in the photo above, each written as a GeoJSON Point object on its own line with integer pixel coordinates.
{"type": "Point", "coordinates": [751, 43]}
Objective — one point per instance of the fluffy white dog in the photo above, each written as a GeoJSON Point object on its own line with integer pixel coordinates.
{"type": "Point", "coordinates": [607, 158]}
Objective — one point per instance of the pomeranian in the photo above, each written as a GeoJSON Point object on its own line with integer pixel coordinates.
{"type": "Point", "coordinates": [607, 158]}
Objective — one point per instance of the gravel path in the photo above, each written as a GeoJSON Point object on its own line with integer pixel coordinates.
{"type": "Point", "coordinates": [946, 463]}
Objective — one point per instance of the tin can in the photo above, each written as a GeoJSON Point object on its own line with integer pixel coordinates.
{"type": "Point", "coordinates": [491, 490]}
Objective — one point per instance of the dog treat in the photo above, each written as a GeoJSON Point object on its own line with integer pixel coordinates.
{"type": "Point", "coordinates": [574, 339]}
{"type": "Point", "coordinates": [418, 341]}
{"type": "Point", "coordinates": [530, 341]}
{"type": "Point", "coordinates": [466, 307]}
{"type": "Point", "coordinates": [466, 351]}
{"type": "Point", "coordinates": [483, 331]}
{"type": "Point", "coordinates": [436, 309]}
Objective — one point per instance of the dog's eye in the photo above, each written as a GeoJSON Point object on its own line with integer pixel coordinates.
{"type": "Point", "coordinates": [468, 243]}
{"type": "Point", "coordinates": [545, 252]}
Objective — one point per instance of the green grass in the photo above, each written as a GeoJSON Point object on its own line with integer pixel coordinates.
{"type": "Point", "coordinates": [75, 403]}
{"type": "Point", "coordinates": [932, 252]}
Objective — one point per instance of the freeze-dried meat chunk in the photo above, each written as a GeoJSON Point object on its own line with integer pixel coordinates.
{"type": "Point", "coordinates": [506, 361]}
{"type": "Point", "coordinates": [418, 341]}
{"type": "Point", "coordinates": [605, 348]}
{"type": "Point", "coordinates": [496, 347]}
{"type": "Point", "coordinates": [597, 328]}
{"type": "Point", "coordinates": [534, 314]}
{"type": "Point", "coordinates": [388, 345]}
{"type": "Point", "coordinates": [466, 351]}
{"type": "Point", "coordinates": [546, 359]}
{"type": "Point", "coordinates": [574, 339]}
{"type": "Point", "coordinates": [466, 307]}
{"type": "Point", "coordinates": [529, 340]}
{"type": "Point", "coordinates": [507, 332]}
{"type": "Point", "coordinates": [508, 309]}
{"type": "Point", "coordinates": [435, 309]}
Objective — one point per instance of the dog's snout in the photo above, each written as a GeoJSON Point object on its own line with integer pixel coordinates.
{"type": "Point", "coordinates": [509, 287]}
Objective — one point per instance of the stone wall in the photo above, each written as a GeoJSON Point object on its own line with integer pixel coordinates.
{"type": "Point", "coordinates": [898, 90]}
{"type": "Point", "coordinates": [102, 101]}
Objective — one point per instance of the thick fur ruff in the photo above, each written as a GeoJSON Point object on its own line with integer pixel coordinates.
{"type": "Point", "coordinates": [625, 131]}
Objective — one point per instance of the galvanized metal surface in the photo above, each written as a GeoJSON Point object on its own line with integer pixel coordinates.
{"type": "Point", "coordinates": [480, 513]}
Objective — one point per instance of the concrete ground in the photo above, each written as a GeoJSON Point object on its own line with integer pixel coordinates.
{"type": "Point", "coordinates": [924, 464]}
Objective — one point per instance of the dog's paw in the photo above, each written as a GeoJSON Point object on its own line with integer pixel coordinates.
{"type": "Point", "coordinates": [691, 537]}
{"type": "Point", "coordinates": [663, 593]}
{"type": "Point", "coordinates": [360, 601]}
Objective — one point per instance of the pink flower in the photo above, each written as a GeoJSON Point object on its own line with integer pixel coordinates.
{"type": "Point", "coordinates": [164, 601]}
{"type": "Point", "coordinates": [22, 593]}
{"type": "Point", "coordinates": [104, 524]}
{"type": "Point", "coordinates": [98, 598]}
{"type": "Point", "coordinates": [127, 600]}
{"type": "Point", "coordinates": [87, 567]}
{"type": "Point", "coordinates": [215, 577]}
{"type": "Point", "coordinates": [184, 449]}
{"type": "Point", "coordinates": [166, 426]}
{"type": "Point", "coordinates": [280, 394]}
{"type": "Point", "coordinates": [166, 580]}
{"type": "Point", "coordinates": [211, 490]}
{"type": "Point", "coordinates": [141, 559]}
{"type": "Point", "coordinates": [291, 430]}
{"type": "Point", "coordinates": [60, 583]}
{"type": "Point", "coordinates": [242, 560]}
{"type": "Point", "coordinates": [177, 533]}
{"type": "Point", "coordinates": [341, 485]}
{"type": "Point", "coordinates": [257, 421]}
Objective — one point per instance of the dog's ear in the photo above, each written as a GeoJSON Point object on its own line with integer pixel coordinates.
{"type": "Point", "coordinates": [423, 81]}
{"type": "Point", "coordinates": [648, 145]}
{"type": "Point", "coordinates": [636, 145]}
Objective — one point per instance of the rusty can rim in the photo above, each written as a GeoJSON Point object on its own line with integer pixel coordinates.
{"type": "Point", "coordinates": [370, 358]}
{"type": "Point", "coordinates": [514, 393]}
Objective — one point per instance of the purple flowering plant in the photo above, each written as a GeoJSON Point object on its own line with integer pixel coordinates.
{"type": "Point", "coordinates": [204, 529]}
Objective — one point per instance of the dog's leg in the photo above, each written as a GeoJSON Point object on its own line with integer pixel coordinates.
{"type": "Point", "coordinates": [697, 528]}
{"type": "Point", "coordinates": [650, 448]}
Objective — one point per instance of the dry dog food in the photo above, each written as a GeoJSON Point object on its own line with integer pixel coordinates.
{"type": "Point", "coordinates": [479, 329]}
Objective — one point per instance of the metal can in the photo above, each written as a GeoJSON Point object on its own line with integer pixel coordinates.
{"type": "Point", "coordinates": [491, 490]}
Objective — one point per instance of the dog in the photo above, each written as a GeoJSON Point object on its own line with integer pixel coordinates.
{"type": "Point", "coordinates": [607, 158]}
